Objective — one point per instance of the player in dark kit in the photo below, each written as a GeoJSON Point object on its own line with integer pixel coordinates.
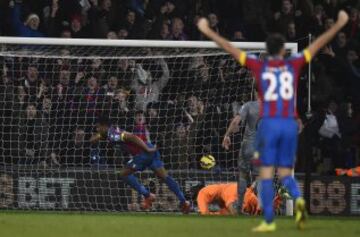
{"type": "Point", "coordinates": [144, 155]}
{"type": "Point", "coordinates": [276, 143]}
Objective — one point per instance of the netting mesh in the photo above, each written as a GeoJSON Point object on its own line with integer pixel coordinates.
{"type": "Point", "coordinates": [50, 98]}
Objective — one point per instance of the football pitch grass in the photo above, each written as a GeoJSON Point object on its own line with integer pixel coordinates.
{"type": "Point", "coordinates": [49, 224]}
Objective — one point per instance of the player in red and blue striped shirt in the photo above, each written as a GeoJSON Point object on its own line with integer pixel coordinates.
{"type": "Point", "coordinates": [277, 79]}
{"type": "Point", "coordinates": [144, 155]}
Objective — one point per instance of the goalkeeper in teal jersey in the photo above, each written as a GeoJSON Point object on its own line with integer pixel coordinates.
{"type": "Point", "coordinates": [144, 155]}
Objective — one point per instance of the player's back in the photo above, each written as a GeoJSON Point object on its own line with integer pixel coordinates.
{"type": "Point", "coordinates": [249, 113]}
{"type": "Point", "coordinates": [277, 84]}
{"type": "Point", "coordinates": [227, 194]}
{"type": "Point", "coordinates": [223, 191]}
{"type": "Point", "coordinates": [276, 80]}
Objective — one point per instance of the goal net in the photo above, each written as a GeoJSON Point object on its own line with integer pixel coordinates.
{"type": "Point", "coordinates": [52, 91]}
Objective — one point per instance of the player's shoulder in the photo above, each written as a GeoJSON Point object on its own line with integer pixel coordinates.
{"type": "Point", "coordinates": [116, 129]}
{"type": "Point", "coordinates": [215, 186]}
{"type": "Point", "coordinates": [254, 106]}
{"type": "Point", "coordinates": [304, 55]}
{"type": "Point", "coordinates": [230, 188]}
{"type": "Point", "coordinates": [243, 106]}
{"type": "Point", "coordinates": [117, 134]}
{"type": "Point", "coordinates": [232, 185]}
{"type": "Point", "coordinates": [252, 103]}
{"type": "Point", "coordinates": [299, 59]}
{"type": "Point", "coordinates": [249, 57]}
{"type": "Point", "coordinates": [252, 56]}
{"type": "Point", "coordinates": [139, 128]}
{"type": "Point", "coordinates": [295, 56]}
{"type": "Point", "coordinates": [250, 60]}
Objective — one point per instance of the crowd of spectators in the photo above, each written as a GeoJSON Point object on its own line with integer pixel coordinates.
{"type": "Point", "coordinates": [186, 117]}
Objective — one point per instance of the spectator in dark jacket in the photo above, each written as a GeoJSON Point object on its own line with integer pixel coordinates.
{"type": "Point", "coordinates": [283, 17]}
{"type": "Point", "coordinates": [33, 134]}
{"type": "Point", "coordinates": [340, 46]}
{"type": "Point", "coordinates": [100, 18]}
{"type": "Point", "coordinates": [77, 28]}
{"type": "Point", "coordinates": [111, 86]}
{"type": "Point", "coordinates": [31, 81]}
{"type": "Point", "coordinates": [77, 150]}
{"type": "Point", "coordinates": [214, 22]}
{"type": "Point", "coordinates": [29, 28]}
{"type": "Point", "coordinates": [119, 110]}
{"type": "Point", "coordinates": [177, 30]}
{"type": "Point", "coordinates": [353, 28]}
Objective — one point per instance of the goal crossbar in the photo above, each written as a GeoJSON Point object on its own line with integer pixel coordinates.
{"type": "Point", "coordinates": [293, 47]}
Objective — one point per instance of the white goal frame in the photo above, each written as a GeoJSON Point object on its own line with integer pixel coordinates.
{"type": "Point", "coordinates": [293, 47]}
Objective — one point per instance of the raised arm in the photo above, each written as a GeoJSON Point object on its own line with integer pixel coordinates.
{"type": "Point", "coordinates": [15, 16]}
{"type": "Point", "coordinates": [162, 82]}
{"type": "Point", "coordinates": [203, 202]}
{"type": "Point", "coordinates": [203, 26]}
{"type": "Point", "coordinates": [326, 37]}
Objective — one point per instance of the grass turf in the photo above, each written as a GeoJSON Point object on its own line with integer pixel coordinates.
{"type": "Point", "coordinates": [38, 224]}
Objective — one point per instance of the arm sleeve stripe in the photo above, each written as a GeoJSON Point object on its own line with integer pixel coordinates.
{"type": "Point", "coordinates": [242, 58]}
{"type": "Point", "coordinates": [307, 55]}
{"type": "Point", "coordinates": [122, 136]}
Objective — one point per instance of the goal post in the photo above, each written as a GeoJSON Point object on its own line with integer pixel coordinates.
{"type": "Point", "coordinates": [183, 93]}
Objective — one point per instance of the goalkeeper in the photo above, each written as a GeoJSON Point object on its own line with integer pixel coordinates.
{"type": "Point", "coordinates": [145, 155]}
{"type": "Point", "coordinates": [225, 196]}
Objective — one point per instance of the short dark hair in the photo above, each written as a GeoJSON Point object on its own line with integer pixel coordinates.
{"type": "Point", "coordinates": [274, 43]}
{"type": "Point", "coordinates": [104, 121]}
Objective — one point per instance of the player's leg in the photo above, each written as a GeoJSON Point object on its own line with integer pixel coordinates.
{"type": "Point", "coordinates": [267, 194]}
{"type": "Point", "coordinates": [174, 187]}
{"type": "Point", "coordinates": [242, 184]}
{"type": "Point", "coordinates": [287, 154]}
{"type": "Point", "coordinates": [138, 163]}
{"type": "Point", "coordinates": [244, 171]}
{"type": "Point", "coordinates": [289, 182]}
{"type": "Point", "coordinates": [132, 181]}
{"type": "Point", "coordinates": [266, 143]}
{"type": "Point", "coordinates": [158, 167]}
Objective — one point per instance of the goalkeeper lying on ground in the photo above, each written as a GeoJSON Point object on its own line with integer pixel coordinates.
{"type": "Point", "coordinates": [225, 196]}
